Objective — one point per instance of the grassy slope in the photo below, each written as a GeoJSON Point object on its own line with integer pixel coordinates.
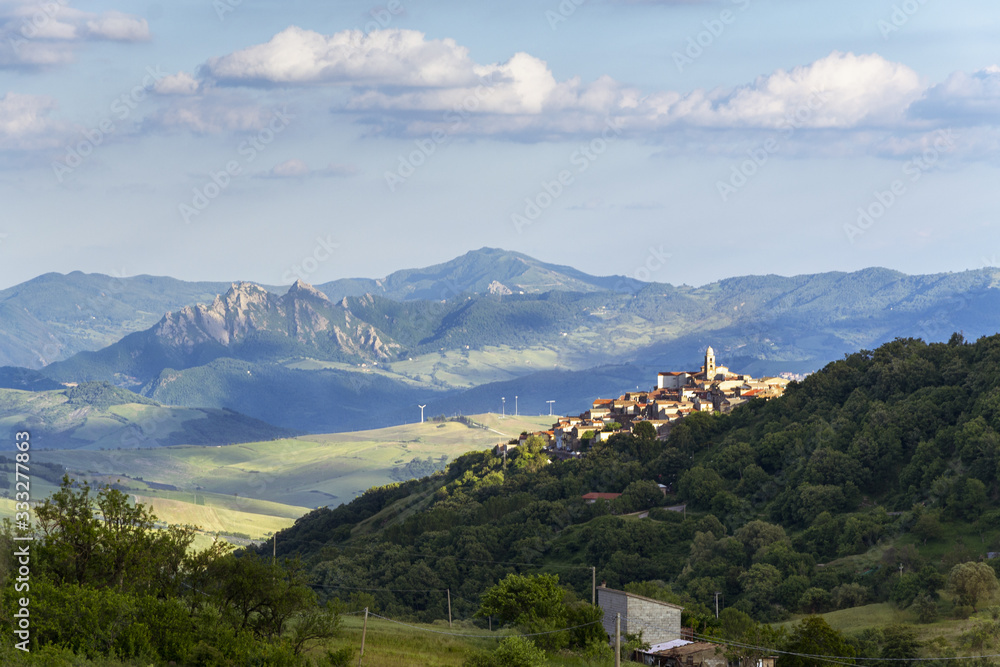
{"type": "Point", "coordinates": [256, 488]}
{"type": "Point", "coordinates": [856, 619]}
{"type": "Point", "coordinates": [390, 644]}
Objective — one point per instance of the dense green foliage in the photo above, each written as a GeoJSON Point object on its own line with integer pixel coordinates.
{"type": "Point", "coordinates": [103, 395]}
{"type": "Point", "coordinates": [105, 583]}
{"type": "Point", "coordinates": [868, 463]}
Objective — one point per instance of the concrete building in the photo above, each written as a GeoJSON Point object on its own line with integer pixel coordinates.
{"type": "Point", "coordinates": [658, 621]}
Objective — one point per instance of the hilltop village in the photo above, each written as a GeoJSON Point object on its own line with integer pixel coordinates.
{"type": "Point", "coordinates": [678, 394]}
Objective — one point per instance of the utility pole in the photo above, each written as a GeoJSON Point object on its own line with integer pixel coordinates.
{"type": "Point", "coordinates": [449, 607]}
{"type": "Point", "coordinates": [550, 407]}
{"type": "Point", "coordinates": [274, 552]}
{"type": "Point", "coordinates": [618, 640]}
{"type": "Point", "coordinates": [364, 631]}
{"type": "Point", "coordinates": [593, 586]}
{"type": "Point", "coordinates": [717, 604]}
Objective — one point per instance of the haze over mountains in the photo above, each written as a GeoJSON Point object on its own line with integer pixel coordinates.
{"type": "Point", "coordinates": [458, 336]}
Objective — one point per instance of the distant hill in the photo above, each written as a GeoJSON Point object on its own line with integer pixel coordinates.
{"type": "Point", "coordinates": [15, 377]}
{"type": "Point", "coordinates": [102, 416]}
{"type": "Point", "coordinates": [483, 271]}
{"type": "Point", "coordinates": [485, 338]}
{"type": "Point", "coordinates": [54, 316]}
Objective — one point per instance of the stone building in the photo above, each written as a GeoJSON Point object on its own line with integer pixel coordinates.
{"type": "Point", "coordinates": [658, 621]}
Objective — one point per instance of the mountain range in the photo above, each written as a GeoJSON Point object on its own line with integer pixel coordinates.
{"type": "Point", "coordinates": [459, 336]}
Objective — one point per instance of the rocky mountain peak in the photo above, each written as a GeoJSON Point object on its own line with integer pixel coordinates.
{"type": "Point", "coordinates": [301, 288]}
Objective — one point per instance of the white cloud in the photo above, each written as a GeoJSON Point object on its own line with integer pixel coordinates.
{"type": "Point", "coordinates": [211, 114]}
{"type": "Point", "coordinates": [963, 98]}
{"type": "Point", "coordinates": [382, 57]}
{"type": "Point", "coordinates": [37, 33]}
{"type": "Point", "coordinates": [842, 90]}
{"type": "Point", "coordinates": [181, 83]}
{"type": "Point", "coordinates": [401, 72]}
{"type": "Point", "coordinates": [402, 82]}
{"type": "Point", "coordinates": [118, 27]}
{"type": "Point", "coordinates": [25, 123]}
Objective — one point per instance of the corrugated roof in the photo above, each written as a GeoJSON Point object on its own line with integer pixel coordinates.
{"type": "Point", "coordinates": [666, 646]}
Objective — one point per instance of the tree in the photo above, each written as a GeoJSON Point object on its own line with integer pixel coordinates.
{"type": "Point", "coordinates": [640, 495]}
{"type": "Point", "coordinates": [899, 646]}
{"type": "Point", "coordinates": [699, 485]}
{"type": "Point", "coordinates": [757, 534]}
{"type": "Point", "coordinates": [813, 636]}
{"type": "Point", "coordinates": [973, 583]}
{"type": "Point", "coordinates": [751, 641]}
{"type": "Point", "coordinates": [814, 600]}
{"type": "Point", "coordinates": [258, 595]}
{"type": "Point", "coordinates": [644, 430]}
{"type": "Point", "coordinates": [760, 587]}
{"type": "Point", "coordinates": [106, 541]}
{"type": "Point", "coordinates": [512, 652]}
{"type": "Point", "coordinates": [534, 603]}
{"type": "Point", "coordinates": [531, 455]}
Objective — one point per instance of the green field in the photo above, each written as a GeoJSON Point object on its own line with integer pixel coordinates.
{"type": "Point", "coordinates": [856, 619]}
{"type": "Point", "coordinates": [258, 488]}
{"type": "Point", "coordinates": [392, 644]}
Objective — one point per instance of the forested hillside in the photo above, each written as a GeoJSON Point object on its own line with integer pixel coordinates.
{"type": "Point", "coordinates": [872, 480]}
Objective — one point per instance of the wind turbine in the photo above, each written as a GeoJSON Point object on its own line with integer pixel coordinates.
{"type": "Point", "coordinates": [503, 400]}
{"type": "Point", "coordinates": [515, 406]}
{"type": "Point", "coordinates": [421, 413]}
{"type": "Point", "coordinates": [550, 407]}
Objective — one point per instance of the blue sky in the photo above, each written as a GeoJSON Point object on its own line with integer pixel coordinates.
{"type": "Point", "coordinates": [227, 140]}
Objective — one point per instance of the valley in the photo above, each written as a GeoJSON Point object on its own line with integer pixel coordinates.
{"type": "Point", "coordinates": [256, 488]}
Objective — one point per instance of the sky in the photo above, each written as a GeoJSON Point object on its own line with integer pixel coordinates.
{"type": "Point", "coordinates": [666, 140]}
